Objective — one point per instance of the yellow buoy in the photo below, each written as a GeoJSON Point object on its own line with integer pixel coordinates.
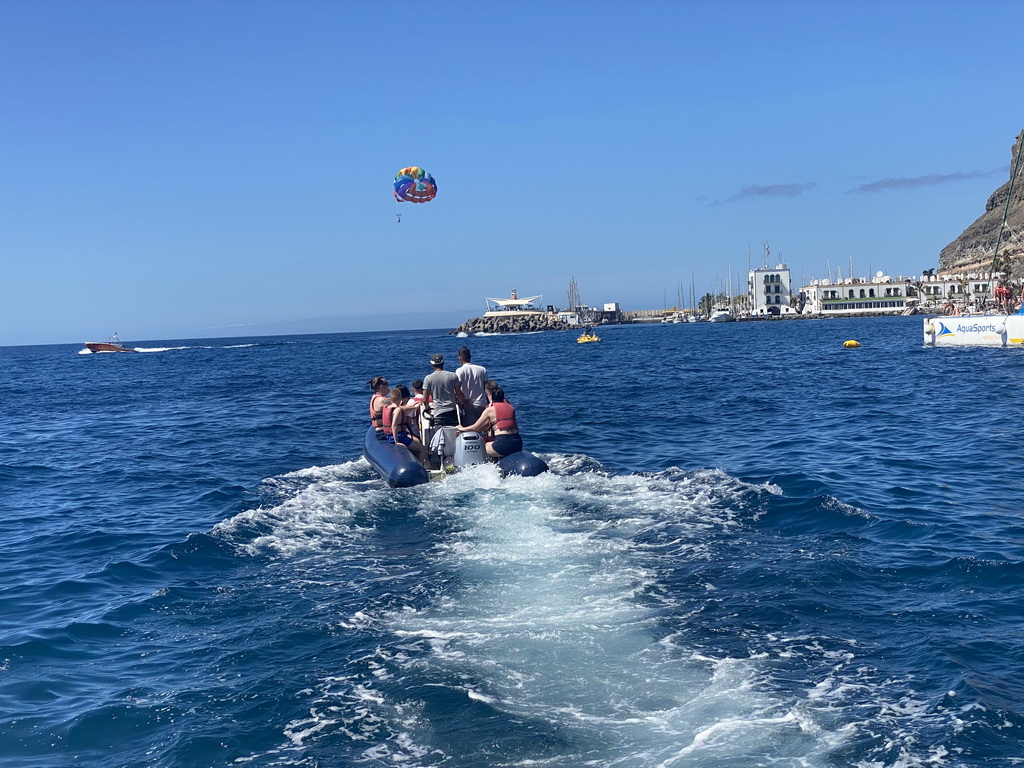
{"type": "Point", "coordinates": [851, 344]}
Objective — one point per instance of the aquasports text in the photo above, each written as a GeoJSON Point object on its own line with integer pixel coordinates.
{"type": "Point", "coordinates": [976, 328]}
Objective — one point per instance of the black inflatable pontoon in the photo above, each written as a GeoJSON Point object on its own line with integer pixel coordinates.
{"type": "Point", "coordinates": [400, 468]}
{"type": "Point", "coordinates": [393, 462]}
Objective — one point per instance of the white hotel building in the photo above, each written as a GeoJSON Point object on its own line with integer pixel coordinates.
{"type": "Point", "coordinates": [770, 292]}
{"type": "Point", "coordinates": [883, 294]}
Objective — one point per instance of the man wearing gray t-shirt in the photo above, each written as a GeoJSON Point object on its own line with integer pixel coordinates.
{"type": "Point", "coordinates": [442, 390]}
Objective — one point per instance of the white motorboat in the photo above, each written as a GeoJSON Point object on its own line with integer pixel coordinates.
{"type": "Point", "coordinates": [721, 314]}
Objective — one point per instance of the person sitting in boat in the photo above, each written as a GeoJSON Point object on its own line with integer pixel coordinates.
{"type": "Point", "coordinates": [413, 404]}
{"type": "Point", "coordinates": [395, 421]}
{"type": "Point", "coordinates": [489, 386]}
{"type": "Point", "coordinates": [417, 392]}
{"type": "Point", "coordinates": [378, 401]}
{"type": "Point", "coordinates": [500, 416]}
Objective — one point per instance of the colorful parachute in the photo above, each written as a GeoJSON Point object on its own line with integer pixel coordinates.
{"type": "Point", "coordinates": [414, 185]}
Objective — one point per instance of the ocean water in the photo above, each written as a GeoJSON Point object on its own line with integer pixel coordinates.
{"type": "Point", "coordinates": [755, 548]}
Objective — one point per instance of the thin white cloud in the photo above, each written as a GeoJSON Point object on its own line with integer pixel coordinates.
{"type": "Point", "coordinates": [891, 182]}
{"type": "Point", "coordinates": [770, 190]}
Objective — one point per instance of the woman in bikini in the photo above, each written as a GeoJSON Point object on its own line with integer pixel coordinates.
{"type": "Point", "coordinates": [395, 418]}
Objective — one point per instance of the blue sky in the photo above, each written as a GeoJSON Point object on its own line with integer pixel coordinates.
{"type": "Point", "coordinates": [201, 168]}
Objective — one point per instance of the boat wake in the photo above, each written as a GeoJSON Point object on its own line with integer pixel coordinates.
{"type": "Point", "coordinates": [171, 349]}
{"type": "Point", "coordinates": [576, 618]}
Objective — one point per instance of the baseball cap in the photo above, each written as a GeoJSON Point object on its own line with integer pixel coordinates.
{"type": "Point", "coordinates": [437, 359]}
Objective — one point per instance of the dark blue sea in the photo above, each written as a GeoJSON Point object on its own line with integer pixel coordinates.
{"type": "Point", "coordinates": [755, 548]}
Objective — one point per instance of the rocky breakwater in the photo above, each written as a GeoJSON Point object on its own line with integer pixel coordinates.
{"type": "Point", "coordinates": [512, 324]}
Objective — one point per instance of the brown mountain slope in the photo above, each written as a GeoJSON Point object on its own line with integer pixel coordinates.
{"type": "Point", "coordinates": [973, 250]}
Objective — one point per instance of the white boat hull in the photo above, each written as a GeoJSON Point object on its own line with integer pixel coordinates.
{"type": "Point", "coordinates": [974, 331]}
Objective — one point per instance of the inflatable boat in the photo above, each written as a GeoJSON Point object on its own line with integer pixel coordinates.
{"type": "Point", "coordinates": [452, 451]}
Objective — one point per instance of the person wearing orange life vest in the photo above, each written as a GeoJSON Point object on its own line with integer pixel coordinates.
{"type": "Point", "coordinates": [489, 386]}
{"type": "Point", "coordinates": [378, 402]}
{"type": "Point", "coordinates": [502, 417]}
{"type": "Point", "coordinates": [395, 422]}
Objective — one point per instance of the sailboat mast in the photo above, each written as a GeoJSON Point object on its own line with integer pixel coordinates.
{"type": "Point", "coordinates": [729, 286]}
{"type": "Point", "coordinates": [574, 294]}
{"type": "Point", "coordinates": [1006, 208]}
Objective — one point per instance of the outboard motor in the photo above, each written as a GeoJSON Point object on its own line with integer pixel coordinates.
{"type": "Point", "coordinates": [458, 450]}
{"type": "Point", "coordinates": [469, 449]}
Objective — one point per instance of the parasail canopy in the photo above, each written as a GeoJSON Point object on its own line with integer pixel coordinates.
{"type": "Point", "coordinates": [414, 185]}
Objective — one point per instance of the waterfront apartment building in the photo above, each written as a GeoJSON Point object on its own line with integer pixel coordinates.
{"type": "Point", "coordinates": [769, 291]}
{"type": "Point", "coordinates": [886, 295]}
{"type": "Point", "coordinates": [965, 291]}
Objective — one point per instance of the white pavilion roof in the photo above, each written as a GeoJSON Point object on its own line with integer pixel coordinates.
{"type": "Point", "coordinates": [515, 302]}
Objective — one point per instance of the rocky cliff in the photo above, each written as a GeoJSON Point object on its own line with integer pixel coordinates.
{"type": "Point", "coordinates": [973, 250]}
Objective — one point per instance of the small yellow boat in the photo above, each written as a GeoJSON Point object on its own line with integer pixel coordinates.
{"type": "Point", "coordinates": [586, 338]}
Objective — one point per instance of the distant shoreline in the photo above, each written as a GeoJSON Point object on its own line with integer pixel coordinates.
{"type": "Point", "coordinates": [436, 329]}
{"type": "Point", "coordinates": [533, 324]}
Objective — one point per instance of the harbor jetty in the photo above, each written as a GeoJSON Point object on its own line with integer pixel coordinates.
{"type": "Point", "coordinates": [531, 323]}
{"type": "Point", "coordinates": [513, 315]}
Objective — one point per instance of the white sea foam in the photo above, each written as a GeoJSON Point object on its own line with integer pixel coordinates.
{"type": "Point", "coordinates": [551, 621]}
{"type": "Point", "coordinates": [316, 511]}
{"type": "Point", "coordinates": [547, 604]}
